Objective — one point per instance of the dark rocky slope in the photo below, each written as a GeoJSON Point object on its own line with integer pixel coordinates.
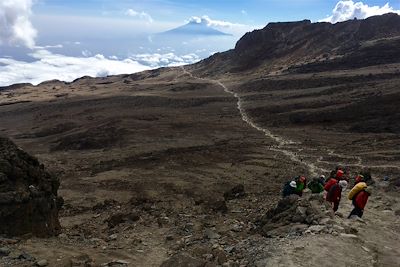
{"type": "Point", "coordinates": [28, 194]}
{"type": "Point", "coordinates": [324, 45]}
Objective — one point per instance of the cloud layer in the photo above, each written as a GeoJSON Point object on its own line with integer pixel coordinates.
{"type": "Point", "coordinates": [213, 23]}
{"type": "Point", "coordinates": [236, 29]}
{"type": "Point", "coordinates": [49, 66]}
{"type": "Point", "coordinates": [346, 10]}
{"type": "Point", "coordinates": [15, 25]}
{"type": "Point", "coordinates": [142, 15]}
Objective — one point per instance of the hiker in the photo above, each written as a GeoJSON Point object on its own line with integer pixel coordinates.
{"type": "Point", "coordinates": [358, 187]}
{"type": "Point", "coordinates": [301, 182]}
{"type": "Point", "coordinates": [316, 186]}
{"type": "Point", "coordinates": [359, 202]}
{"type": "Point", "coordinates": [335, 194]}
{"type": "Point", "coordinates": [289, 189]}
{"type": "Point", "coordinates": [359, 196]}
{"type": "Point", "coordinates": [359, 178]}
{"type": "Point", "coordinates": [322, 179]}
{"type": "Point", "coordinates": [334, 172]}
{"type": "Point", "coordinates": [339, 175]}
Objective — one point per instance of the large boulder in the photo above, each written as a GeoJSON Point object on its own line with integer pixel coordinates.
{"type": "Point", "coordinates": [28, 194]}
{"type": "Point", "coordinates": [293, 214]}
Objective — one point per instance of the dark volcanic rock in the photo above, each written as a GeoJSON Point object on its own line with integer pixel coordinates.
{"type": "Point", "coordinates": [292, 212]}
{"type": "Point", "coordinates": [28, 194]}
{"type": "Point", "coordinates": [235, 192]}
{"type": "Point", "coordinates": [121, 217]}
{"type": "Point", "coordinates": [352, 43]}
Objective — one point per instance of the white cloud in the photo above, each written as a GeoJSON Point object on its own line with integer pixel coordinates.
{"type": "Point", "coordinates": [49, 66]}
{"type": "Point", "coordinates": [236, 29]}
{"type": "Point", "coordinates": [165, 60]}
{"type": "Point", "coordinates": [141, 15]}
{"type": "Point", "coordinates": [86, 53]}
{"type": "Point", "coordinates": [48, 46]}
{"type": "Point", "coordinates": [213, 23]}
{"type": "Point", "coordinates": [15, 25]}
{"type": "Point", "coordinates": [346, 10]}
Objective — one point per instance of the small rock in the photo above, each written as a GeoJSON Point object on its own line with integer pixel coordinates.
{"type": "Point", "coordinates": [235, 192]}
{"type": "Point", "coordinates": [366, 249]}
{"type": "Point", "coordinates": [117, 263]}
{"type": "Point", "coordinates": [121, 262]}
{"type": "Point", "coordinates": [350, 230]}
{"type": "Point", "coordinates": [42, 263]}
{"type": "Point", "coordinates": [339, 214]}
{"type": "Point", "coordinates": [316, 228]}
{"type": "Point", "coordinates": [113, 237]}
{"type": "Point", "coordinates": [210, 234]}
{"type": "Point", "coordinates": [325, 221]}
{"type": "Point", "coordinates": [25, 256]}
{"type": "Point", "coordinates": [338, 228]}
{"type": "Point", "coordinates": [220, 255]}
{"type": "Point", "coordinates": [4, 251]}
{"type": "Point", "coordinates": [236, 228]}
{"type": "Point", "coordinates": [348, 235]}
{"type": "Point", "coordinates": [169, 237]}
{"type": "Point", "coordinates": [208, 256]}
{"type": "Point", "coordinates": [334, 233]}
{"type": "Point", "coordinates": [229, 249]}
{"type": "Point", "coordinates": [62, 236]}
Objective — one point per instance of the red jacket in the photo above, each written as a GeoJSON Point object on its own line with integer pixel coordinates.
{"type": "Point", "coordinates": [330, 183]}
{"type": "Point", "coordinates": [334, 194]}
{"type": "Point", "coordinates": [361, 199]}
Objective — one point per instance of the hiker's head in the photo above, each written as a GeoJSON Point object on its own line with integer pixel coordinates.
{"type": "Point", "coordinates": [322, 177]}
{"type": "Point", "coordinates": [302, 179]}
{"type": "Point", "coordinates": [343, 184]}
{"type": "Point", "coordinates": [359, 178]}
{"type": "Point", "coordinates": [293, 184]}
{"type": "Point", "coordinates": [339, 174]}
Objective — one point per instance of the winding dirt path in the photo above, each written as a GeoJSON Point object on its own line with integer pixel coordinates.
{"type": "Point", "coordinates": [283, 144]}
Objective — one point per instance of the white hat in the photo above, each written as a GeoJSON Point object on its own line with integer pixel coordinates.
{"type": "Point", "coordinates": [322, 176]}
{"type": "Point", "coordinates": [343, 183]}
{"type": "Point", "coordinates": [293, 184]}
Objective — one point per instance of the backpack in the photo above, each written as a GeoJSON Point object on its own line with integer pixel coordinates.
{"type": "Point", "coordinates": [329, 184]}
{"type": "Point", "coordinates": [287, 189]}
{"type": "Point", "coordinates": [356, 189]}
{"type": "Point", "coordinates": [315, 187]}
{"type": "Point", "coordinates": [333, 192]}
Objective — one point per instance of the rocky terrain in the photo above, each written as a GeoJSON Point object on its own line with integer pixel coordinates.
{"type": "Point", "coordinates": [184, 166]}
{"type": "Point", "coordinates": [28, 200]}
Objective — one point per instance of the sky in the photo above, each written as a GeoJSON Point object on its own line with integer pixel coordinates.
{"type": "Point", "coordinates": [66, 39]}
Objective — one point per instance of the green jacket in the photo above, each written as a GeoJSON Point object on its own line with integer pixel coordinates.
{"type": "Point", "coordinates": [315, 187]}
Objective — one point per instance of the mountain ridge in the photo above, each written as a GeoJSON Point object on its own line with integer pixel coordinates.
{"type": "Point", "coordinates": [302, 42]}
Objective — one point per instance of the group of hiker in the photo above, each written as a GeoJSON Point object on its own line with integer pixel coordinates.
{"type": "Point", "coordinates": [332, 188]}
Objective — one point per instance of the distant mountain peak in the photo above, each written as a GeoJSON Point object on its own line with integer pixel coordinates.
{"type": "Point", "coordinates": [197, 26]}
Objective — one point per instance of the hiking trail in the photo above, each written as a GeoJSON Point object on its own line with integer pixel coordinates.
{"type": "Point", "coordinates": [284, 143]}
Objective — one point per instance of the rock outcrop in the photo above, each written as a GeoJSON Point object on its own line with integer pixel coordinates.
{"type": "Point", "coordinates": [28, 194]}
{"type": "Point", "coordinates": [293, 215]}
